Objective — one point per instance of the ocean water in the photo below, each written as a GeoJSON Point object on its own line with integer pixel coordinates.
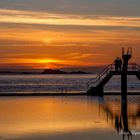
{"type": "Point", "coordinates": [59, 83]}
{"type": "Point", "coordinates": [65, 117]}
{"type": "Point", "coordinates": [69, 118]}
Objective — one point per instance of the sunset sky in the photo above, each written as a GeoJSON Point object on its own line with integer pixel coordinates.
{"type": "Point", "coordinates": [40, 34]}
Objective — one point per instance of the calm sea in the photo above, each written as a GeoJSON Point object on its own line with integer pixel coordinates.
{"type": "Point", "coordinates": [58, 83]}
{"type": "Point", "coordinates": [64, 117]}
{"type": "Point", "coordinates": [69, 118]}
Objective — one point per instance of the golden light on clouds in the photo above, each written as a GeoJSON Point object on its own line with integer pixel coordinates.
{"type": "Point", "coordinates": [51, 40]}
{"type": "Point", "coordinates": [31, 17]}
{"type": "Point", "coordinates": [48, 61]}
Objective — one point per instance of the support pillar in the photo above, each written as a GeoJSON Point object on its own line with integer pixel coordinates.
{"type": "Point", "coordinates": [124, 78]}
{"type": "Point", "coordinates": [126, 57]}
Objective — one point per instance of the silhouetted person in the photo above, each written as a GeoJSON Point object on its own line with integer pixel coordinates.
{"type": "Point", "coordinates": [116, 62]}
{"type": "Point", "coordinates": [120, 64]}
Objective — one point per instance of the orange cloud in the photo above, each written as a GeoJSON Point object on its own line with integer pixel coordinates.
{"type": "Point", "coordinates": [31, 17]}
{"type": "Point", "coordinates": [44, 46]}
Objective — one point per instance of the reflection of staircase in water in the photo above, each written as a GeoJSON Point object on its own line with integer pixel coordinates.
{"type": "Point", "coordinates": [95, 86]}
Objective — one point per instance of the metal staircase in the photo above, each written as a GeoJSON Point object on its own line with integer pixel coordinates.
{"type": "Point", "coordinates": [96, 85]}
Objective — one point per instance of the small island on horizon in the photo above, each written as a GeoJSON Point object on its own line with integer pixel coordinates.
{"type": "Point", "coordinates": [45, 71]}
{"type": "Point", "coordinates": [53, 71]}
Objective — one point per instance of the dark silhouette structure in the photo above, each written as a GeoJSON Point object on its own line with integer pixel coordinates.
{"type": "Point", "coordinates": [124, 117]}
{"type": "Point", "coordinates": [126, 57]}
{"type": "Point", "coordinates": [118, 64]}
{"type": "Point", "coordinates": [121, 121]}
{"type": "Point", "coordinates": [119, 67]}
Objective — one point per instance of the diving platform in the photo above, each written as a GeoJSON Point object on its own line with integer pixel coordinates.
{"type": "Point", "coordinates": [96, 86]}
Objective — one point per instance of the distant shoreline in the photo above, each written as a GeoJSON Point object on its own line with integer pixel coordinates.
{"type": "Point", "coordinates": [44, 72]}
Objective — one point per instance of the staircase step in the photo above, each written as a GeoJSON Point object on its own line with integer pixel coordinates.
{"type": "Point", "coordinates": [95, 91]}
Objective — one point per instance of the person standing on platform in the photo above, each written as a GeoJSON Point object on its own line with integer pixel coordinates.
{"type": "Point", "coordinates": [116, 63]}
{"type": "Point", "coordinates": [120, 64]}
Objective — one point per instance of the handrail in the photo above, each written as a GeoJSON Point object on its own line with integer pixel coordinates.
{"type": "Point", "coordinates": [102, 73]}
{"type": "Point", "coordinates": [107, 69]}
{"type": "Point", "coordinates": [133, 67]}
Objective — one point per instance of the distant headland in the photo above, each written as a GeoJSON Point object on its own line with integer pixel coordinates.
{"type": "Point", "coordinates": [51, 71]}
{"type": "Point", "coordinates": [45, 71]}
